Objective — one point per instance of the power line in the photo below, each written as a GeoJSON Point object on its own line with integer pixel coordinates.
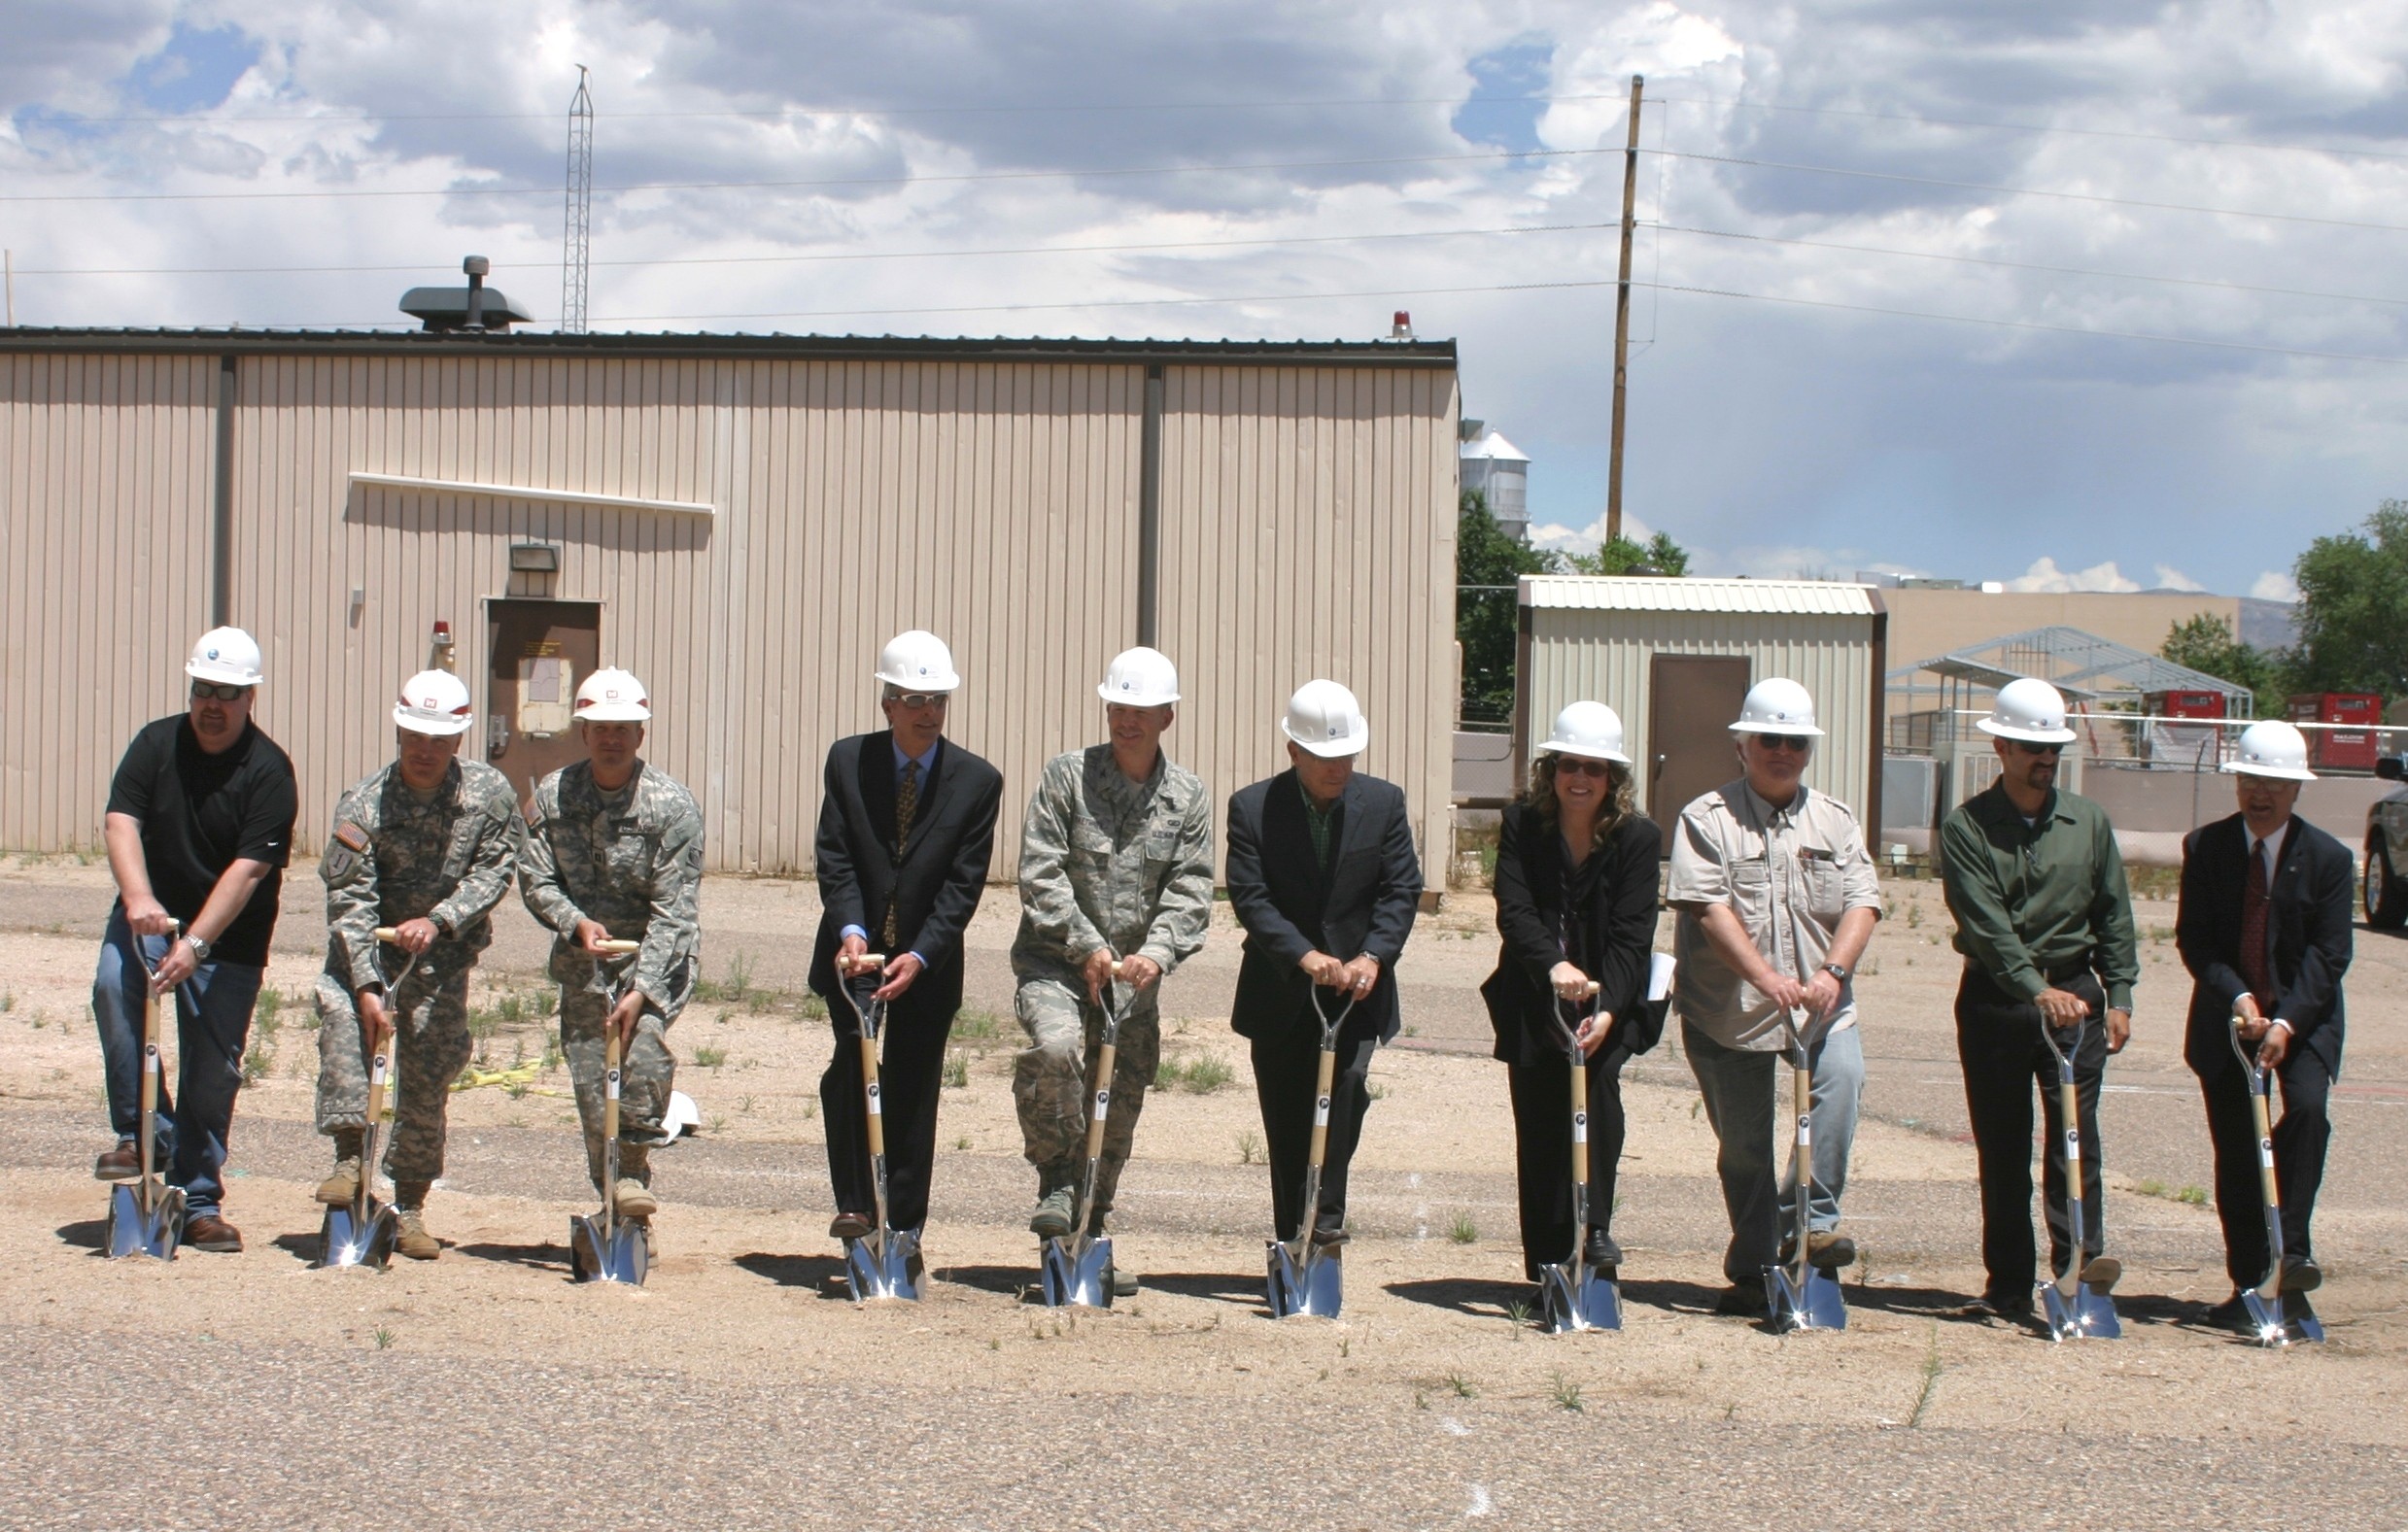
{"type": "Point", "coordinates": [796, 110]}
{"type": "Point", "coordinates": [2027, 265]}
{"type": "Point", "coordinates": [2029, 192]}
{"type": "Point", "coordinates": [832, 180]}
{"type": "Point", "coordinates": [2037, 129]}
{"type": "Point", "coordinates": [825, 256]}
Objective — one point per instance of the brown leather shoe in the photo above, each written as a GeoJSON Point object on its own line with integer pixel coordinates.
{"type": "Point", "coordinates": [120, 1163]}
{"type": "Point", "coordinates": [208, 1231]}
{"type": "Point", "coordinates": [849, 1226]}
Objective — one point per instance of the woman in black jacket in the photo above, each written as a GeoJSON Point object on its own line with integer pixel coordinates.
{"type": "Point", "coordinates": [1576, 869]}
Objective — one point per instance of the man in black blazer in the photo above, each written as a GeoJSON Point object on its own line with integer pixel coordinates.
{"type": "Point", "coordinates": [1322, 876]}
{"type": "Point", "coordinates": [907, 828]}
{"type": "Point", "coordinates": [2264, 930]}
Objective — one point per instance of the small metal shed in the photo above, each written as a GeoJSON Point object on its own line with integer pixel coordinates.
{"type": "Point", "coordinates": [1675, 657]}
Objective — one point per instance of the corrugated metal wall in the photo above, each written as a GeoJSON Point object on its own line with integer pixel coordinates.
{"type": "Point", "coordinates": [105, 469]}
{"type": "Point", "coordinates": [1603, 656]}
{"type": "Point", "coordinates": [1307, 520]}
{"type": "Point", "coordinates": [1308, 528]}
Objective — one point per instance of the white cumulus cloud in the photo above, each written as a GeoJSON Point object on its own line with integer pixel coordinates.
{"type": "Point", "coordinates": [2045, 576]}
{"type": "Point", "coordinates": [2170, 578]}
{"type": "Point", "coordinates": [2275, 586]}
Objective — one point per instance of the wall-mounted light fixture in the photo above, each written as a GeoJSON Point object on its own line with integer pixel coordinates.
{"type": "Point", "coordinates": [534, 559]}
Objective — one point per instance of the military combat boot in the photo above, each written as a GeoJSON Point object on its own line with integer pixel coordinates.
{"type": "Point", "coordinates": [342, 1188]}
{"type": "Point", "coordinates": [635, 1195]}
{"type": "Point", "coordinates": [410, 1215]}
{"type": "Point", "coordinates": [1058, 1197]}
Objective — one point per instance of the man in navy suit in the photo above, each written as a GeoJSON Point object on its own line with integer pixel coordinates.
{"type": "Point", "coordinates": [907, 829]}
{"type": "Point", "coordinates": [1324, 876]}
{"type": "Point", "coordinates": [2264, 930]}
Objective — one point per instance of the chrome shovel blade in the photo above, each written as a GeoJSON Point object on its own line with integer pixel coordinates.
{"type": "Point", "coordinates": [893, 1274]}
{"type": "Point", "coordinates": [1313, 1288]}
{"type": "Point", "coordinates": [1076, 1272]}
{"type": "Point", "coordinates": [344, 1239]}
{"type": "Point", "coordinates": [2281, 1320]}
{"type": "Point", "coordinates": [1576, 1298]}
{"type": "Point", "coordinates": [1816, 1304]}
{"type": "Point", "coordinates": [133, 1232]}
{"type": "Point", "coordinates": [2088, 1315]}
{"type": "Point", "coordinates": [599, 1253]}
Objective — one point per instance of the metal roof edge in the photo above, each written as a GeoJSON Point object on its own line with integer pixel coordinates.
{"type": "Point", "coordinates": [1417, 354]}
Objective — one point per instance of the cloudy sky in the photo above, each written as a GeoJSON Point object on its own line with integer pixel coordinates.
{"type": "Point", "coordinates": [2080, 292]}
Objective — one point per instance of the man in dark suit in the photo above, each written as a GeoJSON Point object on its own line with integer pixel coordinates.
{"type": "Point", "coordinates": [1320, 863]}
{"type": "Point", "coordinates": [2264, 930]}
{"type": "Point", "coordinates": [907, 828]}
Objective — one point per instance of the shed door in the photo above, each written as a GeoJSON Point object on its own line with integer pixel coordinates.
{"type": "Point", "coordinates": [542, 652]}
{"type": "Point", "coordinates": [1691, 701]}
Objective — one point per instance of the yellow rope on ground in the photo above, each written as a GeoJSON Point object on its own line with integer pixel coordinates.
{"type": "Point", "coordinates": [516, 1079]}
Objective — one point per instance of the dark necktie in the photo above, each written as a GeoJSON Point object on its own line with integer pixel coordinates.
{"type": "Point", "coordinates": [906, 806]}
{"type": "Point", "coordinates": [2254, 905]}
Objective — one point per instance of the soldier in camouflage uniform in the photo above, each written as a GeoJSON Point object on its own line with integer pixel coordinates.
{"type": "Point", "coordinates": [1116, 862]}
{"type": "Point", "coordinates": [614, 852]}
{"type": "Point", "coordinates": [425, 845]}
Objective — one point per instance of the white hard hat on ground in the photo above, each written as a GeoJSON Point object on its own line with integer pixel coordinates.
{"type": "Point", "coordinates": [2030, 710]}
{"type": "Point", "coordinates": [1588, 729]}
{"type": "Point", "coordinates": [2271, 748]}
{"type": "Point", "coordinates": [226, 654]}
{"type": "Point", "coordinates": [1323, 718]}
{"type": "Point", "coordinates": [611, 695]}
{"type": "Point", "coordinates": [1140, 677]}
{"type": "Point", "coordinates": [1777, 705]}
{"type": "Point", "coordinates": [433, 703]}
{"type": "Point", "coordinates": [917, 662]}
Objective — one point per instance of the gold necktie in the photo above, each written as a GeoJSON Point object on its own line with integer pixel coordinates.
{"type": "Point", "coordinates": [906, 805]}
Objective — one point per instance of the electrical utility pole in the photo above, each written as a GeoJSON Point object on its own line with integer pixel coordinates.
{"type": "Point", "coordinates": [577, 221]}
{"type": "Point", "coordinates": [1621, 316]}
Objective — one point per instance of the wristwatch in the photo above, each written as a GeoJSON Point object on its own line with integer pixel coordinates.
{"type": "Point", "coordinates": [1838, 971]}
{"type": "Point", "coordinates": [200, 948]}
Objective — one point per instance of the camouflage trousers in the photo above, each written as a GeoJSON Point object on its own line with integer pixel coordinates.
{"type": "Point", "coordinates": [645, 1077]}
{"type": "Point", "coordinates": [430, 1048]}
{"type": "Point", "coordinates": [1049, 1081]}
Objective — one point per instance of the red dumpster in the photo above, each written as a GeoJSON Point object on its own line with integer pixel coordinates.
{"type": "Point", "coordinates": [2351, 745]}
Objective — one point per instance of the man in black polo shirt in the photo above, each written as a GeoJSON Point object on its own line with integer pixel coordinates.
{"type": "Point", "coordinates": [198, 830]}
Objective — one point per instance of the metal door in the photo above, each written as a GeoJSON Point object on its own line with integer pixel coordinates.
{"type": "Point", "coordinates": [541, 652]}
{"type": "Point", "coordinates": [1691, 701]}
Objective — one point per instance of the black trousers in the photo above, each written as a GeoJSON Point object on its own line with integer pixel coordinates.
{"type": "Point", "coordinates": [1999, 1043]}
{"type": "Point", "coordinates": [1287, 1064]}
{"type": "Point", "coordinates": [1542, 1148]}
{"type": "Point", "coordinates": [2300, 1138]}
{"type": "Point", "coordinates": [911, 1077]}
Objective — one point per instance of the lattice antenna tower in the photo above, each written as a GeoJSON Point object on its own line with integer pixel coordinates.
{"type": "Point", "coordinates": [577, 219]}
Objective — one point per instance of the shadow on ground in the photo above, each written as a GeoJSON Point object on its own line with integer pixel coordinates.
{"type": "Point", "coordinates": [821, 1274]}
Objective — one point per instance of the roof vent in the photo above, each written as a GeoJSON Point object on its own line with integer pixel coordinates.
{"type": "Point", "coordinates": [475, 306]}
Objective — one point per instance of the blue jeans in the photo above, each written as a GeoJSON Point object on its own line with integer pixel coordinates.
{"type": "Point", "coordinates": [213, 1023]}
{"type": "Point", "coordinates": [1747, 1101]}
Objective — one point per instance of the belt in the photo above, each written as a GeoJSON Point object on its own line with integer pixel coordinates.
{"type": "Point", "coordinates": [2078, 968]}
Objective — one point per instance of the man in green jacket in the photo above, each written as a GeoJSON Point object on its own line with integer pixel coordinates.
{"type": "Point", "coordinates": [2043, 918]}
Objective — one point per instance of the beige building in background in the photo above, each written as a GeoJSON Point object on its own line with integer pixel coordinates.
{"type": "Point", "coordinates": [740, 520]}
{"type": "Point", "coordinates": [1926, 623]}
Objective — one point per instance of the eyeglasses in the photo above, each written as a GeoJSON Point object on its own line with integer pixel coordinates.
{"type": "Point", "coordinates": [2031, 749]}
{"type": "Point", "coordinates": [916, 701]}
{"type": "Point", "coordinates": [203, 691]}
{"type": "Point", "coordinates": [1580, 766]}
{"type": "Point", "coordinates": [1787, 741]}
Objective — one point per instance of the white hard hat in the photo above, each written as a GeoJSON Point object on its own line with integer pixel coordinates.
{"type": "Point", "coordinates": [1588, 729]}
{"type": "Point", "coordinates": [1140, 677]}
{"type": "Point", "coordinates": [1325, 719]}
{"type": "Point", "coordinates": [433, 703]}
{"type": "Point", "coordinates": [228, 655]}
{"type": "Point", "coordinates": [917, 662]}
{"type": "Point", "coordinates": [2272, 748]}
{"type": "Point", "coordinates": [611, 695]}
{"type": "Point", "coordinates": [1777, 705]}
{"type": "Point", "coordinates": [2030, 710]}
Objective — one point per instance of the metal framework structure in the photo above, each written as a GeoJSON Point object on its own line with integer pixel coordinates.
{"type": "Point", "coordinates": [577, 218]}
{"type": "Point", "coordinates": [2091, 671]}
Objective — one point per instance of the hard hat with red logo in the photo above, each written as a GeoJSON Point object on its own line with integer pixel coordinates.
{"type": "Point", "coordinates": [611, 695]}
{"type": "Point", "coordinates": [433, 703]}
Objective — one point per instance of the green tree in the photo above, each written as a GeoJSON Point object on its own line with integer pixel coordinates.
{"type": "Point", "coordinates": [2208, 643]}
{"type": "Point", "coordinates": [1621, 555]}
{"type": "Point", "coordinates": [1488, 564]}
{"type": "Point", "coordinates": [2353, 609]}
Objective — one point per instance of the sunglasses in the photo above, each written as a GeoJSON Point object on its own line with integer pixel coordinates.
{"type": "Point", "coordinates": [1579, 765]}
{"type": "Point", "coordinates": [1787, 741]}
{"type": "Point", "coordinates": [2031, 749]}
{"type": "Point", "coordinates": [918, 699]}
{"type": "Point", "coordinates": [204, 691]}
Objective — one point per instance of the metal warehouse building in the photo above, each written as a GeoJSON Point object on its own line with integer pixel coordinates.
{"type": "Point", "coordinates": [1675, 657]}
{"type": "Point", "coordinates": [742, 521]}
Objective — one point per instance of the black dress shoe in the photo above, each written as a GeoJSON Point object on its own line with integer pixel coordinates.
{"type": "Point", "coordinates": [2301, 1277]}
{"type": "Point", "coordinates": [2007, 1310]}
{"type": "Point", "coordinates": [849, 1226]}
{"type": "Point", "coordinates": [1329, 1236]}
{"type": "Point", "coordinates": [1602, 1253]}
{"type": "Point", "coordinates": [2231, 1315]}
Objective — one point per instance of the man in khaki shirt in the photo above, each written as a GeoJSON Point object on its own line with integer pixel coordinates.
{"type": "Point", "coordinates": [1778, 898]}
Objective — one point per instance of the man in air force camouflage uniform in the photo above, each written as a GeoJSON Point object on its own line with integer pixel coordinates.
{"type": "Point", "coordinates": [1116, 862]}
{"type": "Point", "coordinates": [425, 845]}
{"type": "Point", "coordinates": [614, 852]}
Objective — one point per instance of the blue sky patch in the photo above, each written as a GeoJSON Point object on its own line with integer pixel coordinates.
{"type": "Point", "coordinates": [196, 71]}
{"type": "Point", "coordinates": [1499, 110]}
